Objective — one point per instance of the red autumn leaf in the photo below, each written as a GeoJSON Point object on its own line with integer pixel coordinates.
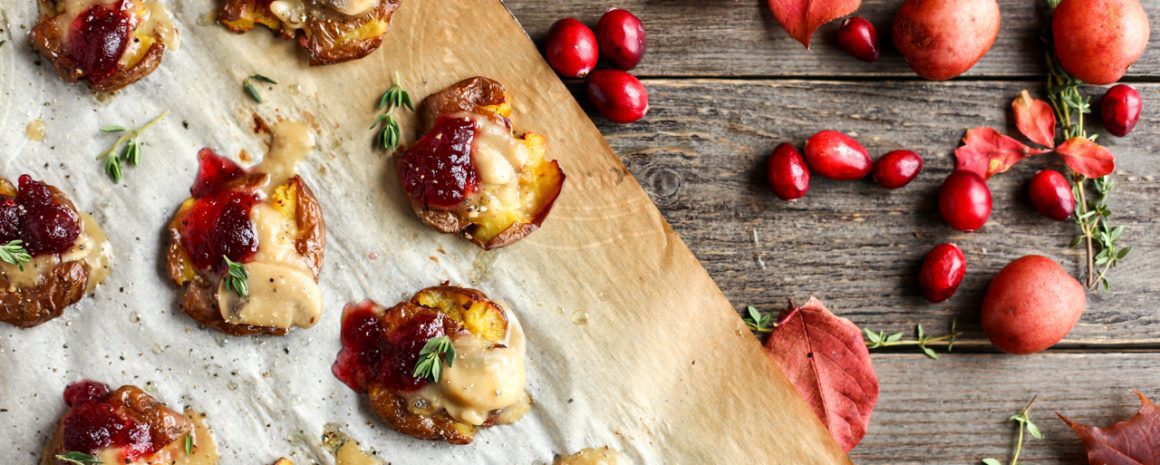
{"type": "Point", "coordinates": [986, 152]}
{"type": "Point", "coordinates": [1086, 157]}
{"type": "Point", "coordinates": [827, 361]}
{"type": "Point", "coordinates": [1135, 441]}
{"type": "Point", "coordinates": [801, 18]}
{"type": "Point", "coordinates": [1035, 119]}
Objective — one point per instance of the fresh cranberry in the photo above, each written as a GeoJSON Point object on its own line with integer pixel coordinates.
{"type": "Point", "coordinates": [942, 272]}
{"type": "Point", "coordinates": [571, 48]}
{"type": "Point", "coordinates": [964, 201]}
{"type": "Point", "coordinates": [858, 37]}
{"type": "Point", "coordinates": [98, 39]}
{"type": "Point", "coordinates": [896, 169]}
{"type": "Point", "coordinates": [47, 226]}
{"type": "Point", "coordinates": [84, 392]}
{"type": "Point", "coordinates": [9, 219]}
{"type": "Point", "coordinates": [837, 156]}
{"type": "Point", "coordinates": [1051, 195]}
{"type": "Point", "coordinates": [789, 177]}
{"type": "Point", "coordinates": [1120, 109]}
{"type": "Point", "coordinates": [214, 172]}
{"type": "Point", "coordinates": [617, 95]}
{"type": "Point", "coordinates": [437, 169]}
{"type": "Point", "coordinates": [621, 38]}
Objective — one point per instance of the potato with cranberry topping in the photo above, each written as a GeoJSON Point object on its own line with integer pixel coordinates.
{"type": "Point", "coordinates": [108, 43]}
{"type": "Point", "coordinates": [52, 255]}
{"type": "Point", "coordinates": [331, 31]}
{"type": "Point", "coordinates": [469, 173]}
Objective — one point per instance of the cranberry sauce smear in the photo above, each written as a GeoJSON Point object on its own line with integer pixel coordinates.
{"type": "Point", "coordinates": [9, 219]}
{"type": "Point", "coordinates": [98, 38]}
{"type": "Point", "coordinates": [45, 224]}
{"type": "Point", "coordinates": [93, 424]}
{"type": "Point", "coordinates": [437, 170]}
{"type": "Point", "coordinates": [85, 392]}
{"type": "Point", "coordinates": [218, 224]}
{"type": "Point", "coordinates": [370, 355]}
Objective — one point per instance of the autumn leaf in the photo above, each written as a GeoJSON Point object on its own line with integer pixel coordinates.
{"type": "Point", "coordinates": [1086, 157]}
{"type": "Point", "coordinates": [1135, 441]}
{"type": "Point", "coordinates": [1035, 119]}
{"type": "Point", "coordinates": [801, 18]}
{"type": "Point", "coordinates": [986, 152]}
{"type": "Point", "coordinates": [827, 361]}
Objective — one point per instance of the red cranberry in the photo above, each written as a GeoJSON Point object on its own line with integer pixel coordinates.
{"type": "Point", "coordinates": [85, 392]}
{"type": "Point", "coordinates": [858, 38]}
{"type": "Point", "coordinates": [942, 272]}
{"type": "Point", "coordinates": [617, 95]}
{"type": "Point", "coordinates": [437, 169]}
{"type": "Point", "coordinates": [219, 226]}
{"type": "Point", "coordinates": [896, 169]}
{"type": "Point", "coordinates": [964, 201]}
{"type": "Point", "coordinates": [1051, 195]}
{"type": "Point", "coordinates": [92, 427]}
{"type": "Point", "coordinates": [98, 39]}
{"type": "Point", "coordinates": [788, 174]}
{"type": "Point", "coordinates": [621, 37]}
{"type": "Point", "coordinates": [363, 345]}
{"type": "Point", "coordinates": [1120, 109]}
{"type": "Point", "coordinates": [837, 156]}
{"type": "Point", "coordinates": [214, 173]}
{"type": "Point", "coordinates": [571, 48]}
{"type": "Point", "coordinates": [9, 219]}
{"type": "Point", "coordinates": [47, 226]}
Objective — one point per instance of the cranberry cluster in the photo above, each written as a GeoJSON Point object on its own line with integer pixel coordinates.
{"type": "Point", "coordinates": [40, 219]}
{"type": "Point", "coordinates": [437, 169]}
{"type": "Point", "coordinates": [372, 355]}
{"type": "Point", "coordinates": [98, 38]}
{"type": "Point", "coordinates": [93, 424]}
{"type": "Point", "coordinates": [218, 224]}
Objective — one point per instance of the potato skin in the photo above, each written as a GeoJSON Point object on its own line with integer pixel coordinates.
{"type": "Point", "coordinates": [1097, 40]}
{"type": "Point", "coordinates": [942, 39]}
{"type": "Point", "coordinates": [324, 36]}
{"type": "Point", "coordinates": [1031, 305]}
{"type": "Point", "coordinates": [478, 94]}
{"type": "Point", "coordinates": [48, 39]}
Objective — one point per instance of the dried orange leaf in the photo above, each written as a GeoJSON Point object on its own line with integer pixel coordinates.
{"type": "Point", "coordinates": [801, 18]}
{"type": "Point", "coordinates": [1086, 157]}
{"type": "Point", "coordinates": [1035, 119]}
{"type": "Point", "coordinates": [986, 152]}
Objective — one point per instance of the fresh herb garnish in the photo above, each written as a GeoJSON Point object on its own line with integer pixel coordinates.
{"type": "Point", "coordinates": [236, 277]}
{"type": "Point", "coordinates": [79, 458]}
{"type": "Point", "coordinates": [252, 90]}
{"type": "Point", "coordinates": [188, 444]}
{"type": "Point", "coordinates": [429, 366]}
{"type": "Point", "coordinates": [130, 147]}
{"type": "Point", "coordinates": [758, 321]}
{"type": "Point", "coordinates": [14, 253]}
{"type": "Point", "coordinates": [877, 339]}
{"type": "Point", "coordinates": [1024, 423]}
{"type": "Point", "coordinates": [394, 97]}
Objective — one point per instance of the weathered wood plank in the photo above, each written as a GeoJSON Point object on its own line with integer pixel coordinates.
{"type": "Point", "coordinates": [701, 152]}
{"type": "Point", "coordinates": [741, 38]}
{"type": "Point", "coordinates": [954, 410]}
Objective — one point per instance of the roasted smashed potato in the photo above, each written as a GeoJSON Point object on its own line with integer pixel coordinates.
{"type": "Point", "coordinates": [331, 31]}
{"type": "Point", "coordinates": [469, 174]}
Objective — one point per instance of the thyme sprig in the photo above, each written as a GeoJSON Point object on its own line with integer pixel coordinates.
{"type": "Point", "coordinates": [127, 148]}
{"type": "Point", "coordinates": [1023, 420]}
{"type": "Point", "coordinates": [758, 321]}
{"type": "Point", "coordinates": [879, 339]}
{"type": "Point", "coordinates": [252, 90]}
{"type": "Point", "coordinates": [14, 253]}
{"type": "Point", "coordinates": [1097, 236]}
{"type": "Point", "coordinates": [434, 354]}
{"type": "Point", "coordinates": [236, 277]}
{"type": "Point", "coordinates": [395, 97]}
{"type": "Point", "coordinates": [79, 458]}
{"type": "Point", "coordinates": [188, 444]}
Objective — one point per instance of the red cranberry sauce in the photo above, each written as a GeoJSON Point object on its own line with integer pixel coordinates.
{"type": "Point", "coordinates": [40, 219]}
{"type": "Point", "coordinates": [437, 170]}
{"type": "Point", "coordinates": [373, 355]}
{"type": "Point", "coordinates": [93, 424]}
{"type": "Point", "coordinates": [98, 38]}
{"type": "Point", "coordinates": [219, 223]}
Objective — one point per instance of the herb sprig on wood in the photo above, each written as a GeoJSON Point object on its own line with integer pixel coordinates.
{"type": "Point", "coordinates": [434, 354]}
{"type": "Point", "coordinates": [395, 97]}
{"type": "Point", "coordinates": [758, 321]}
{"type": "Point", "coordinates": [1024, 423]}
{"type": "Point", "coordinates": [877, 339]}
{"type": "Point", "coordinates": [127, 148]}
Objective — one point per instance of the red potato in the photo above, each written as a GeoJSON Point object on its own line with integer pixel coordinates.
{"type": "Point", "coordinates": [1031, 305]}
{"type": "Point", "coordinates": [621, 37]}
{"type": "Point", "coordinates": [789, 177]}
{"type": "Point", "coordinates": [942, 272]}
{"type": "Point", "coordinates": [837, 156]}
{"type": "Point", "coordinates": [964, 200]}
{"type": "Point", "coordinates": [941, 39]}
{"type": "Point", "coordinates": [571, 48]}
{"type": "Point", "coordinates": [1097, 40]}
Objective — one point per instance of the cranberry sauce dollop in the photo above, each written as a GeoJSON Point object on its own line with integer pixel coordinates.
{"type": "Point", "coordinates": [40, 219]}
{"type": "Point", "coordinates": [98, 38]}
{"type": "Point", "coordinates": [218, 224]}
{"type": "Point", "coordinates": [436, 170]}
{"type": "Point", "coordinates": [373, 354]}
{"type": "Point", "coordinates": [93, 424]}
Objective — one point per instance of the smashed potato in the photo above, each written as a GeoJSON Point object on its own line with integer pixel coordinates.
{"type": "Point", "coordinates": [331, 31]}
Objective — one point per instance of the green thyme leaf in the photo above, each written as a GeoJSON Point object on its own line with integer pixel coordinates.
{"type": "Point", "coordinates": [261, 78]}
{"type": "Point", "coordinates": [188, 444]}
{"type": "Point", "coordinates": [252, 91]}
{"type": "Point", "coordinates": [112, 128]}
{"type": "Point", "coordinates": [113, 168]}
{"type": "Point", "coordinates": [436, 352]}
{"type": "Point", "coordinates": [79, 458]}
{"type": "Point", "coordinates": [991, 461]}
{"type": "Point", "coordinates": [14, 253]}
{"type": "Point", "coordinates": [129, 145]}
{"type": "Point", "coordinates": [236, 277]}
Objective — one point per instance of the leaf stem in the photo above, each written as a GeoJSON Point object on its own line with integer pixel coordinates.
{"type": "Point", "coordinates": [132, 134]}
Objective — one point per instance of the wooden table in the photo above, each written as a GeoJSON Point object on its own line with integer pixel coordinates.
{"type": "Point", "coordinates": [726, 84]}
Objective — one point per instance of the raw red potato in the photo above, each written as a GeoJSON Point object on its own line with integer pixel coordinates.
{"type": "Point", "coordinates": [896, 169]}
{"type": "Point", "coordinates": [858, 38]}
{"type": "Point", "coordinates": [1097, 40]}
{"type": "Point", "coordinates": [571, 48]}
{"type": "Point", "coordinates": [964, 201]}
{"type": "Point", "coordinates": [621, 37]}
{"type": "Point", "coordinates": [1031, 305]}
{"type": "Point", "coordinates": [1120, 109]}
{"type": "Point", "coordinates": [789, 177]}
{"type": "Point", "coordinates": [837, 156]}
{"type": "Point", "coordinates": [942, 39]}
{"type": "Point", "coordinates": [1051, 195]}
{"type": "Point", "coordinates": [617, 95]}
{"type": "Point", "coordinates": [942, 272]}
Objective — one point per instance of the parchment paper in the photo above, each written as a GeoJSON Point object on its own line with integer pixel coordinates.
{"type": "Point", "coordinates": [630, 342]}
